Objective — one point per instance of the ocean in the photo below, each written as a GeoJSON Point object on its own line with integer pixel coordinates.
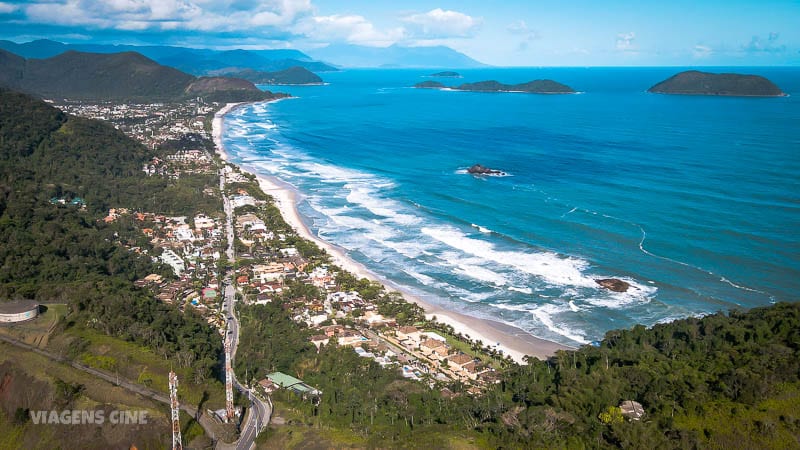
{"type": "Point", "coordinates": [693, 200]}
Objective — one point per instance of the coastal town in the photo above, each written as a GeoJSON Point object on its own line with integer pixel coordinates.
{"type": "Point", "coordinates": [273, 263]}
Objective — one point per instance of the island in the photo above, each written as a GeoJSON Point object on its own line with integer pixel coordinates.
{"type": "Point", "coordinates": [478, 169]}
{"type": "Point", "coordinates": [446, 74]}
{"type": "Point", "coordinates": [693, 82]}
{"type": "Point", "coordinates": [531, 87]}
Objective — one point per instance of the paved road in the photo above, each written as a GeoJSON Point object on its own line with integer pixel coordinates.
{"type": "Point", "coordinates": [204, 421]}
{"type": "Point", "coordinates": [260, 412]}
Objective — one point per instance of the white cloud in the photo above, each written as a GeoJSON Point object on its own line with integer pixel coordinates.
{"type": "Point", "coordinates": [625, 41]}
{"type": "Point", "coordinates": [7, 8]}
{"type": "Point", "coordinates": [439, 23]}
{"type": "Point", "coordinates": [701, 51]}
{"type": "Point", "coordinates": [353, 29]}
{"type": "Point", "coordinates": [199, 15]}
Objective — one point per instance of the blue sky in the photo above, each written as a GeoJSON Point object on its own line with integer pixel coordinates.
{"type": "Point", "coordinates": [509, 32]}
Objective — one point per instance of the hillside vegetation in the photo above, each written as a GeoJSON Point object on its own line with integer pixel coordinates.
{"type": "Point", "coordinates": [116, 76]}
{"type": "Point", "coordinates": [64, 254]}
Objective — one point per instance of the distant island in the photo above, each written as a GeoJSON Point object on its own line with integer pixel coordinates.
{"type": "Point", "coordinates": [292, 75]}
{"type": "Point", "coordinates": [446, 74]}
{"type": "Point", "coordinates": [693, 82]}
{"type": "Point", "coordinates": [531, 87]}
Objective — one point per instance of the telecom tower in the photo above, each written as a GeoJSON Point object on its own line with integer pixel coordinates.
{"type": "Point", "coordinates": [228, 381]}
{"type": "Point", "coordinates": [173, 402]}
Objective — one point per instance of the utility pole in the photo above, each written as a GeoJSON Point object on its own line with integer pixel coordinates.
{"type": "Point", "coordinates": [175, 407]}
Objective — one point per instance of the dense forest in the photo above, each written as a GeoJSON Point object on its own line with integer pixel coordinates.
{"type": "Point", "coordinates": [64, 253]}
{"type": "Point", "coordinates": [722, 381]}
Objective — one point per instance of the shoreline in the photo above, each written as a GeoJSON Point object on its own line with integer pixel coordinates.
{"type": "Point", "coordinates": [508, 339]}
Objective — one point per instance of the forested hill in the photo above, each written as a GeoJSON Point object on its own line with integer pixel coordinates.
{"type": "Point", "coordinates": [63, 253]}
{"type": "Point", "coordinates": [115, 76]}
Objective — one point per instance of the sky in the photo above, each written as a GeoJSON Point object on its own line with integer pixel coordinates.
{"type": "Point", "coordinates": [502, 33]}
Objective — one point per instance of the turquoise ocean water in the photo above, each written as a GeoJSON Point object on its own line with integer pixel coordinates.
{"type": "Point", "coordinates": [693, 200]}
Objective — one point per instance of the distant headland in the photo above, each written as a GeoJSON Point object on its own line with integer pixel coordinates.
{"type": "Point", "coordinates": [693, 82]}
{"type": "Point", "coordinates": [531, 87]}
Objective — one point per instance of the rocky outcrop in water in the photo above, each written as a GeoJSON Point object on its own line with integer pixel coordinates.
{"type": "Point", "coordinates": [478, 169]}
{"type": "Point", "coordinates": [614, 284]}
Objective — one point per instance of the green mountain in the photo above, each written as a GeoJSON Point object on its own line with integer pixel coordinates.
{"type": "Point", "coordinates": [292, 75]}
{"type": "Point", "coordinates": [116, 76]}
{"type": "Point", "coordinates": [693, 82]}
{"type": "Point", "coordinates": [196, 61]}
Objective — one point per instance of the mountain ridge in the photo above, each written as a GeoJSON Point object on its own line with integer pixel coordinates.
{"type": "Point", "coordinates": [196, 61]}
{"type": "Point", "coordinates": [115, 76]}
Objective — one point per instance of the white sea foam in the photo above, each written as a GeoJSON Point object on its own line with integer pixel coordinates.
{"type": "Point", "coordinates": [523, 290]}
{"type": "Point", "coordinates": [365, 196]}
{"type": "Point", "coordinates": [482, 229]}
{"type": "Point", "coordinates": [545, 315]}
{"type": "Point", "coordinates": [481, 274]}
{"type": "Point", "coordinates": [573, 306]}
{"type": "Point", "coordinates": [545, 265]}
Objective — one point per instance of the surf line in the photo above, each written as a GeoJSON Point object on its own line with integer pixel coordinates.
{"type": "Point", "coordinates": [722, 278]}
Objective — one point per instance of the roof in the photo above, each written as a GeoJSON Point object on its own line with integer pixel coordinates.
{"type": "Point", "coordinates": [283, 380]}
{"type": "Point", "coordinates": [460, 359]}
{"type": "Point", "coordinates": [17, 306]}
{"type": "Point", "coordinates": [290, 382]}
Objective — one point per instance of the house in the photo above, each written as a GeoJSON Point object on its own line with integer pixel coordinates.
{"type": "Point", "coordinates": [268, 272]}
{"type": "Point", "coordinates": [268, 386]}
{"type": "Point", "coordinates": [408, 333]}
{"type": "Point", "coordinates": [428, 347]}
{"type": "Point", "coordinates": [472, 370]}
{"type": "Point", "coordinates": [331, 330]}
{"type": "Point", "coordinates": [457, 362]}
{"type": "Point", "coordinates": [202, 221]}
{"type": "Point", "coordinates": [349, 337]}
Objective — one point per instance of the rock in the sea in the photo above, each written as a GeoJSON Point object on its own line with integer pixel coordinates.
{"type": "Point", "coordinates": [614, 284]}
{"type": "Point", "coordinates": [478, 169]}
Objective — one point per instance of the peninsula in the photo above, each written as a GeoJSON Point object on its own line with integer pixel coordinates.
{"type": "Point", "coordinates": [693, 82]}
{"type": "Point", "coordinates": [292, 76]}
{"type": "Point", "coordinates": [531, 87]}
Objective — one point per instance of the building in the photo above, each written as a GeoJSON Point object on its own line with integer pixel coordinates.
{"type": "Point", "coordinates": [293, 384]}
{"type": "Point", "coordinates": [171, 259]}
{"type": "Point", "coordinates": [18, 311]}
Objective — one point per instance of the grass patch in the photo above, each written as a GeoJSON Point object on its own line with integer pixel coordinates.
{"type": "Point", "coordinates": [139, 364]}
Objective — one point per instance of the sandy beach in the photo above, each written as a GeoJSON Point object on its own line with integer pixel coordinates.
{"type": "Point", "coordinates": [510, 340]}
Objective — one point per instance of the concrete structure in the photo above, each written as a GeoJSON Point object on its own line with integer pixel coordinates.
{"type": "Point", "coordinates": [18, 311]}
{"type": "Point", "coordinates": [171, 259]}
